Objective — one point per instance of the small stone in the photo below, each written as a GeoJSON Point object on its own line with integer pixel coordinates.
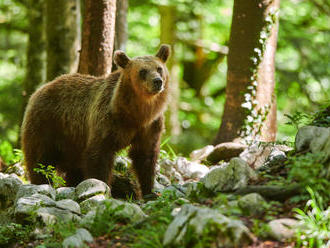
{"type": "Point", "coordinates": [128, 211]}
{"type": "Point", "coordinates": [65, 193]}
{"type": "Point", "coordinates": [91, 203]}
{"type": "Point", "coordinates": [9, 185]}
{"type": "Point", "coordinates": [16, 168]}
{"type": "Point", "coordinates": [282, 229]}
{"type": "Point", "coordinates": [259, 155]}
{"type": "Point", "coordinates": [69, 204]}
{"type": "Point", "coordinates": [163, 180]}
{"type": "Point", "coordinates": [26, 206]}
{"type": "Point", "coordinates": [91, 187]}
{"type": "Point", "coordinates": [253, 204]}
{"type": "Point", "coordinates": [276, 157]}
{"type": "Point", "coordinates": [201, 154]}
{"type": "Point", "coordinates": [226, 151]}
{"type": "Point", "coordinates": [30, 189]}
{"type": "Point", "coordinates": [50, 215]}
{"type": "Point", "coordinates": [190, 169]}
{"type": "Point", "coordinates": [78, 240]}
{"type": "Point", "coordinates": [157, 186]}
{"type": "Point", "coordinates": [229, 177]}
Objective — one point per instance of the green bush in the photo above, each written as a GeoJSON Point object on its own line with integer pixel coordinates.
{"type": "Point", "coordinates": [314, 228]}
{"type": "Point", "coordinates": [310, 170]}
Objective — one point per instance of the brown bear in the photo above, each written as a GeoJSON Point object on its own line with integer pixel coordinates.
{"type": "Point", "coordinates": [78, 122]}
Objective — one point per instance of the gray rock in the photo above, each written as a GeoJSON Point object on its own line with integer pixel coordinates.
{"type": "Point", "coordinates": [27, 206]}
{"type": "Point", "coordinates": [190, 223]}
{"type": "Point", "coordinates": [177, 189]}
{"type": "Point", "coordinates": [229, 177]}
{"type": "Point", "coordinates": [226, 151]}
{"type": "Point", "coordinates": [201, 154]}
{"type": "Point", "coordinates": [163, 180]}
{"type": "Point", "coordinates": [253, 204]}
{"type": "Point", "coordinates": [78, 240]}
{"type": "Point", "coordinates": [69, 204]}
{"type": "Point", "coordinates": [314, 139]}
{"type": "Point", "coordinates": [157, 186]}
{"type": "Point", "coordinates": [50, 215]}
{"type": "Point", "coordinates": [88, 219]}
{"type": "Point", "coordinates": [91, 187]}
{"type": "Point", "coordinates": [91, 203]}
{"type": "Point", "coordinates": [30, 189]}
{"type": "Point", "coordinates": [125, 210]}
{"type": "Point", "coordinates": [16, 169]}
{"type": "Point", "coordinates": [9, 185]}
{"type": "Point", "coordinates": [190, 169]}
{"type": "Point", "coordinates": [275, 158]}
{"type": "Point", "coordinates": [65, 193]}
{"type": "Point", "coordinates": [282, 229]}
{"type": "Point", "coordinates": [257, 154]}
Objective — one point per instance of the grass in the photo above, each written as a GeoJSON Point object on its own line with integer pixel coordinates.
{"type": "Point", "coordinates": [314, 230]}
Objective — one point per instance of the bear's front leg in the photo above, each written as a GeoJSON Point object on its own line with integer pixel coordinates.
{"type": "Point", "coordinates": [144, 154]}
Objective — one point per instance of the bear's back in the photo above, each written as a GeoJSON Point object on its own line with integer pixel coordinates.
{"type": "Point", "coordinates": [62, 105]}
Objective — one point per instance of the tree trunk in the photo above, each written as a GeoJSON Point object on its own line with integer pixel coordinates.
{"type": "Point", "coordinates": [97, 37]}
{"type": "Point", "coordinates": [168, 36]}
{"type": "Point", "coordinates": [35, 53]}
{"type": "Point", "coordinates": [250, 108]}
{"type": "Point", "coordinates": [63, 36]}
{"type": "Point", "coordinates": [121, 32]}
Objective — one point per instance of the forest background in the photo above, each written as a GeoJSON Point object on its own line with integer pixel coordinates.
{"type": "Point", "coordinates": [199, 32]}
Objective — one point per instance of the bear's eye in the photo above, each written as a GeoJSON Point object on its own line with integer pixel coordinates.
{"type": "Point", "coordinates": [160, 70]}
{"type": "Point", "coordinates": [143, 73]}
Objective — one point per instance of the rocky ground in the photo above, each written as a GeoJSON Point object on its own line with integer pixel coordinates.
{"type": "Point", "coordinates": [230, 195]}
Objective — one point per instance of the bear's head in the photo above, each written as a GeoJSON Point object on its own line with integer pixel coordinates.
{"type": "Point", "coordinates": [147, 74]}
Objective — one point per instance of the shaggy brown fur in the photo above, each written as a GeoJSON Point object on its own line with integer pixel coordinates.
{"type": "Point", "coordinates": [77, 122]}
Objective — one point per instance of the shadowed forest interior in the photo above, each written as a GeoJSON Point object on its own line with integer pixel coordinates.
{"type": "Point", "coordinates": [249, 90]}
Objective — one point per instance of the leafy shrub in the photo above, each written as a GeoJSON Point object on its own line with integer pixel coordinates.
{"type": "Point", "coordinates": [50, 173]}
{"type": "Point", "coordinates": [314, 230]}
{"type": "Point", "coordinates": [309, 170]}
{"type": "Point", "coordinates": [13, 233]}
{"type": "Point", "coordinates": [8, 154]}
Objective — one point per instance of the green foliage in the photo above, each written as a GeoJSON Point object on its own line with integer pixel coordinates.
{"type": "Point", "coordinates": [299, 119]}
{"type": "Point", "coordinates": [14, 233]}
{"type": "Point", "coordinates": [260, 228]}
{"type": "Point", "coordinates": [166, 150]}
{"type": "Point", "coordinates": [314, 229]}
{"type": "Point", "coordinates": [50, 173]}
{"type": "Point", "coordinates": [309, 170]}
{"type": "Point", "coordinates": [322, 117]}
{"type": "Point", "coordinates": [150, 232]}
{"type": "Point", "coordinates": [107, 221]}
{"type": "Point", "coordinates": [10, 155]}
{"type": "Point", "coordinates": [319, 118]}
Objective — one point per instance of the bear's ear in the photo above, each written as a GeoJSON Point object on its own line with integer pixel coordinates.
{"type": "Point", "coordinates": [121, 59]}
{"type": "Point", "coordinates": [164, 52]}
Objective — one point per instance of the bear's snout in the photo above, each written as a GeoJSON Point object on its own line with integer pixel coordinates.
{"type": "Point", "coordinates": [157, 85]}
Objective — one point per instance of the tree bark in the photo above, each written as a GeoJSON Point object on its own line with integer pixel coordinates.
{"type": "Point", "coordinates": [250, 108]}
{"type": "Point", "coordinates": [63, 36]}
{"type": "Point", "coordinates": [121, 30]}
{"type": "Point", "coordinates": [168, 36]}
{"type": "Point", "coordinates": [98, 37]}
{"type": "Point", "coordinates": [35, 53]}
